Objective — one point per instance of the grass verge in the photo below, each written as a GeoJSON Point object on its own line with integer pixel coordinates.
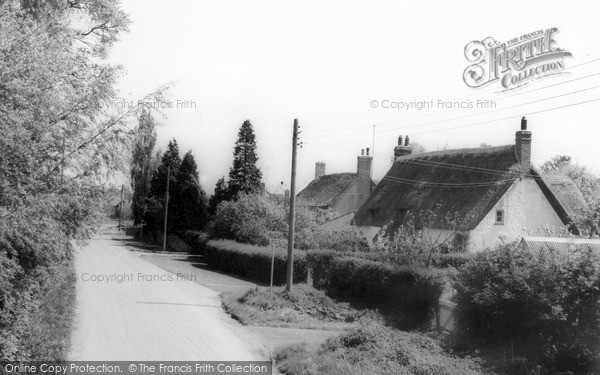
{"type": "Point", "coordinates": [375, 350]}
{"type": "Point", "coordinates": [49, 335]}
{"type": "Point", "coordinates": [306, 308]}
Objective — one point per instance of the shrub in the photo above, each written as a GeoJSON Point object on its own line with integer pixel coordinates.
{"type": "Point", "coordinates": [548, 309]}
{"type": "Point", "coordinates": [375, 350]}
{"type": "Point", "coordinates": [409, 294]}
{"type": "Point", "coordinates": [197, 240]}
{"type": "Point", "coordinates": [253, 262]}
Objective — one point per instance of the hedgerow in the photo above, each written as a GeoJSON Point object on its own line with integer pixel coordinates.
{"type": "Point", "coordinates": [408, 294]}
{"type": "Point", "coordinates": [253, 262]}
{"type": "Point", "coordinates": [545, 308]}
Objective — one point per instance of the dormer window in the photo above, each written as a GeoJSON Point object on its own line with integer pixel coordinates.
{"type": "Point", "coordinates": [499, 217]}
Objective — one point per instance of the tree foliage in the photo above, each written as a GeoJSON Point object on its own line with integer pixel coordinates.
{"type": "Point", "coordinates": [141, 163]}
{"type": "Point", "coordinates": [58, 143]}
{"type": "Point", "coordinates": [244, 175]}
{"type": "Point", "coordinates": [189, 199]}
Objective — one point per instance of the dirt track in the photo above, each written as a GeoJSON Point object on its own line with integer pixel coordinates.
{"type": "Point", "coordinates": [130, 309]}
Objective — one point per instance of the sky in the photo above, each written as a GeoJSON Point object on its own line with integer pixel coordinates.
{"type": "Point", "coordinates": [353, 73]}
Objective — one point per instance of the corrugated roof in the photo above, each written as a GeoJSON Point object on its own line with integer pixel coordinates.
{"type": "Point", "coordinates": [465, 183]}
{"type": "Point", "coordinates": [556, 246]}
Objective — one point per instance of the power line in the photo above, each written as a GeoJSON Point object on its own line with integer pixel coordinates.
{"type": "Point", "coordinates": [371, 118]}
{"type": "Point", "coordinates": [492, 111]}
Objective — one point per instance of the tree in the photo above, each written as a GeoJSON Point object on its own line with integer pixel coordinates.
{"type": "Point", "coordinates": [189, 200]}
{"type": "Point", "coordinates": [221, 194]}
{"type": "Point", "coordinates": [170, 164]}
{"type": "Point", "coordinates": [244, 175]}
{"type": "Point", "coordinates": [141, 163]}
{"type": "Point", "coordinates": [59, 144]}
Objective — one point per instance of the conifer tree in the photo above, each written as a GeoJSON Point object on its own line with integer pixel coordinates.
{"type": "Point", "coordinates": [244, 175]}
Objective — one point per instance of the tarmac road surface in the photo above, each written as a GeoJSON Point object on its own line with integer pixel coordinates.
{"type": "Point", "coordinates": [129, 309]}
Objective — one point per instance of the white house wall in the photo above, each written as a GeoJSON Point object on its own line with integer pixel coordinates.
{"type": "Point", "coordinates": [526, 212]}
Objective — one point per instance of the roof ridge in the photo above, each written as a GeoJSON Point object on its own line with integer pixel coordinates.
{"type": "Point", "coordinates": [472, 150]}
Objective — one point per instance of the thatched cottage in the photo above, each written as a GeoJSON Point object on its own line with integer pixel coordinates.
{"type": "Point", "coordinates": [484, 194]}
{"type": "Point", "coordinates": [342, 193]}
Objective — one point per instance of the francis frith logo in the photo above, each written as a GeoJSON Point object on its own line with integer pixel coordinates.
{"type": "Point", "coordinates": [516, 62]}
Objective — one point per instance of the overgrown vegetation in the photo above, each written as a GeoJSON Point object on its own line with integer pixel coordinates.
{"type": "Point", "coordinates": [375, 350]}
{"type": "Point", "coordinates": [306, 307]}
{"type": "Point", "coordinates": [407, 295]}
{"type": "Point", "coordinates": [59, 142]}
{"type": "Point", "coordinates": [543, 308]}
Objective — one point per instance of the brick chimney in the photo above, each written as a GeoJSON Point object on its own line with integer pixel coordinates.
{"type": "Point", "coordinates": [402, 150]}
{"type": "Point", "coordinates": [363, 168]}
{"type": "Point", "coordinates": [363, 165]}
{"type": "Point", "coordinates": [523, 145]}
{"type": "Point", "coordinates": [319, 169]}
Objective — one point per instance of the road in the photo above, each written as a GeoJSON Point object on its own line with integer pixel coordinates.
{"type": "Point", "coordinates": [129, 309]}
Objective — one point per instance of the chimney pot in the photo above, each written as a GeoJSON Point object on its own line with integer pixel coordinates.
{"type": "Point", "coordinates": [367, 151]}
{"type": "Point", "coordinates": [399, 140]}
{"type": "Point", "coordinates": [523, 123]}
{"type": "Point", "coordinates": [362, 151]}
{"type": "Point", "coordinates": [406, 141]}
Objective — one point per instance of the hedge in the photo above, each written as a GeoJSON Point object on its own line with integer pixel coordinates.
{"type": "Point", "coordinates": [409, 294]}
{"type": "Point", "coordinates": [253, 262]}
{"type": "Point", "coordinates": [197, 240]}
{"type": "Point", "coordinates": [545, 308]}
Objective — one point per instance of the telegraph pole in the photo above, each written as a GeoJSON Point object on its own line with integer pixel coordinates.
{"type": "Point", "coordinates": [121, 207]}
{"type": "Point", "coordinates": [292, 220]}
{"type": "Point", "coordinates": [166, 210]}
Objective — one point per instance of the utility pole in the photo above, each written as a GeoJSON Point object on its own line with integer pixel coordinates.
{"type": "Point", "coordinates": [292, 220]}
{"type": "Point", "coordinates": [166, 209]}
{"type": "Point", "coordinates": [121, 207]}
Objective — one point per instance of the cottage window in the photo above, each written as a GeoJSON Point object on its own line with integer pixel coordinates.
{"type": "Point", "coordinates": [499, 217]}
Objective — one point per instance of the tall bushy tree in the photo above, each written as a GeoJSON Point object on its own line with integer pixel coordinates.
{"type": "Point", "coordinates": [58, 143]}
{"type": "Point", "coordinates": [221, 194]}
{"type": "Point", "coordinates": [189, 199]}
{"type": "Point", "coordinates": [244, 175]}
{"type": "Point", "coordinates": [141, 163]}
{"type": "Point", "coordinates": [158, 187]}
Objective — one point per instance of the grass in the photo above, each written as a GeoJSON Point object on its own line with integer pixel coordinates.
{"type": "Point", "coordinates": [306, 308]}
{"type": "Point", "coordinates": [48, 336]}
{"type": "Point", "coordinates": [375, 350]}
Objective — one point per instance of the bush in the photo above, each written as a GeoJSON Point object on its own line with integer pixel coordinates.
{"type": "Point", "coordinates": [375, 350]}
{"type": "Point", "coordinates": [409, 294]}
{"type": "Point", "coordinates": [197, 240]}
{"type": "Point", "coordinates": [253, 262]}
{"type": "Point", "coordinates": [548, 309]}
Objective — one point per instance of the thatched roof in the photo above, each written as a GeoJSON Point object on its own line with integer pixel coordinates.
{"type": "Point", "coordinates": [464, 184]}
{"type": "Point", "coordinates": [323, 190]}
{"type": "Point", "coordinates": [567, 194]}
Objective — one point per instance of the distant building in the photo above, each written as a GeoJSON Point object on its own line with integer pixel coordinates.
{"type": "Point", "coordinates": [557, 247]}
{"type": "Point", "coordinates": [494, 192]}
{"type": "Point", "coordinates": [342, 193]}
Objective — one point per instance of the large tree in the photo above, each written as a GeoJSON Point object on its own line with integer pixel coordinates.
{"type": "Point", "coordinates": [221, 194]}
{"type": "Point", "coordinates": [59, 143]}
{"type": "Point", "coordinates": [169, 166]}
{"type": "Point", "coordinates": [189, 199]}
{"type": "Point", "coordinates": [244, 175]}
{"type": "Point", "coordinates": [141, 163]}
